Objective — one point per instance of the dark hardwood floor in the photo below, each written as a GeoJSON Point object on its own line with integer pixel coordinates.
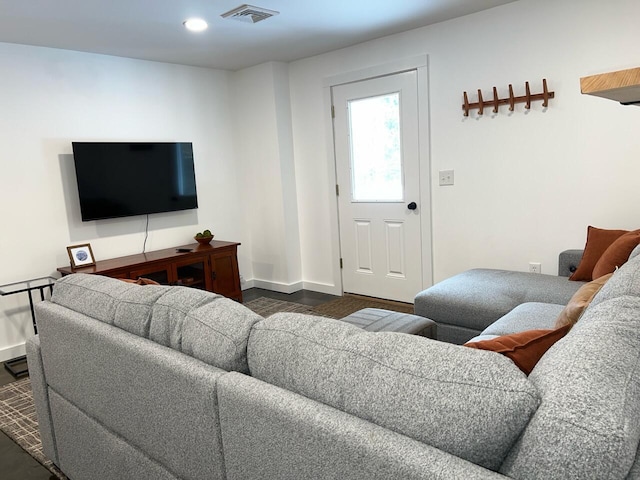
{"type": "Point", "coordinates": [305, 297]}
{"type": "Point", "coordinates": [16, 464]}
{"type": "Point", "coordinates": [5, 376]}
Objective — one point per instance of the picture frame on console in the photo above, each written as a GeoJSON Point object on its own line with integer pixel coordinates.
{"type": "Point", "coordinates": [81, 255]}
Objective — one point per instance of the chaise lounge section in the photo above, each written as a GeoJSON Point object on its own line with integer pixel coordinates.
{"type": "Point", "coordinates": [464, 305]}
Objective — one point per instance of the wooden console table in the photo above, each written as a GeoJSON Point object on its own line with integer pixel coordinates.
{"type": "Point", "coordinates": [212, 267]}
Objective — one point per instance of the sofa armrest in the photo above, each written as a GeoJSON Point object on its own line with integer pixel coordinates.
{"type": "Point", "coordinates": [568, 262]}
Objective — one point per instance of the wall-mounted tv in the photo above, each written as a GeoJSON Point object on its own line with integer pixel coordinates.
{"type": "Point", "coordinates": [120, 179]}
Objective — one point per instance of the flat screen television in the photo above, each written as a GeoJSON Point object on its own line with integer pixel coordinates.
{"type": "Point", "coordinates": [121, 179]}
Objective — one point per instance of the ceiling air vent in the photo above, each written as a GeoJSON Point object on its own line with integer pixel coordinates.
{"type": "Point", "coordinates": [249, 14]}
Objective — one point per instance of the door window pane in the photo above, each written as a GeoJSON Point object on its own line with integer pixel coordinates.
{"type": "Point", "coordinates": [376, 160]}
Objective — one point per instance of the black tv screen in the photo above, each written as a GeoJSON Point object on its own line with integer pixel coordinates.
{"type": "Point", "coordinates": [119, 179]}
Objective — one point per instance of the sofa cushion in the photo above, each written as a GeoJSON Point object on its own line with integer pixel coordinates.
{"type": "Point", "coordinates": [588, 424]}
{"type": "Point", "coordinates": [523, 348]}
{"type": "Point", "coordinates": [470, 403]}
{"type": "Point", "coordinates": [201, 324]}
{"type": "Point", "coordinates": [91, 295]}
{"type": "Point", "coordinates": [527, 316]}
{"type": "Point", "coordinates": [217, 333]}
{"type": "Point", "coordinates": [598, 240]}
{"type": "Point", "coordinates": [580, 301]}
{"type": "Point", "coordinates": [616, 254]}
{"type": "Point", "coordinates": [170, 312]}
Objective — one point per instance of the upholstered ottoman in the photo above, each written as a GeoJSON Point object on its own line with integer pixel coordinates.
{"type": "Point", "coordinates": [380, 320]}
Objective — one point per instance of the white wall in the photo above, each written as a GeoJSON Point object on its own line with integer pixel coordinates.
{"type": "Point", "coordinates": [265, 154]}
{"type": "Point", "coordinates": [49, 98]}
{"type": "Point", "coordinates": [527, 183]}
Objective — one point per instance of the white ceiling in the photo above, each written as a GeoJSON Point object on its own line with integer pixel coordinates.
{"type": "Point", "coordinates": [153, 30]}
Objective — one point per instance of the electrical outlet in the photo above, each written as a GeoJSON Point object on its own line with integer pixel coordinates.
{"type": "Point", "coordinates": [535, 267]}
{"type": "Point", "coordinates": [446, 177]}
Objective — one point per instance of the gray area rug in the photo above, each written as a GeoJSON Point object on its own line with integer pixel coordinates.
{"type": "Point", "coordinates": [268, 306]}
{"type": "Point", "coordinates": [348, 304]}
{"type": "Point", "coordinates": [18, 421]}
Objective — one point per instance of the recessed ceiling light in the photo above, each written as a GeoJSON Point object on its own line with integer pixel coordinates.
{"type": "Point", "coordinates": [195, 25]}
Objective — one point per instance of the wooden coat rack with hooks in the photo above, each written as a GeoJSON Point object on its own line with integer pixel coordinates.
{"type": "Point", "coordinates": [527, 98]}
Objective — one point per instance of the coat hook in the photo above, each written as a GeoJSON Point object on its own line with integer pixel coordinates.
{"type": "Point", "coordinates": [512, 99]}
{"type": "Point", "coordinates": [494, 101]}
{"type": "Point", "coordinates": [545, 93]}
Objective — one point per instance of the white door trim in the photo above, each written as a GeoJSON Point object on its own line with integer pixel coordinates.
{"type": "Point", "coordinates": [420, 64]}
{"type": "Point", "coordinates": [398, 66]}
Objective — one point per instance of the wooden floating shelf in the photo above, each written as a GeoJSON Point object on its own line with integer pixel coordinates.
{"type": "Point", "coordinates": [495, 102]}
{"type": "Point", "coordinates": [622, 86]}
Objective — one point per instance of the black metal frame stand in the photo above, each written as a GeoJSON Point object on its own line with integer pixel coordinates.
{"type": "Point", "coordinates": [12, 365]}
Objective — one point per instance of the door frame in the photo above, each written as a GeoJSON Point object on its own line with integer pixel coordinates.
{"type": "Point", "coordinates": [420, 65]}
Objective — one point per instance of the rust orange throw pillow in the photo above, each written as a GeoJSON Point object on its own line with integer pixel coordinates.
{"type": "Point", "coordinates": [617, 253]}
{"type": "Point", "coordinates": [598, 240]}
{"type": "Point", "coordinates": [580, 301]}
{"type": "Point", "coordinates": [140, 281]}
{"type": "Point", "coordinates": [524, 348]}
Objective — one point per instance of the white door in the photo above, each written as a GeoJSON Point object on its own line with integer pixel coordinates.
{"type": "Point", "coordinates": [378, 171]}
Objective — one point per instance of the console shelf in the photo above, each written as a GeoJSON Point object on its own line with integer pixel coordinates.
{"type": "Point", "coordinates": [211, 267]}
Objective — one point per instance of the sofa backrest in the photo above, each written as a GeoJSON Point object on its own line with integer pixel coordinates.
{"type": "Point", "coordinates": [201, 324]}
{"type": "Point", "coordinates": [625, 281]}
{"type": "Point", "coordinates": [289, 436]}
{"type": "Point", "coordinates": [588, 424]}
{"type": "Point", "coordinates": [568, 262]}
{"type": "Point", "coordinates": [123, 406]}
{"type": "Point", "coordinates": [470, 403]}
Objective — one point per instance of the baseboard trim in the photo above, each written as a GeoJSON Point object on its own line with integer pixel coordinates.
{"type": "Point", "coordinates": [380, 300]}
{"type": "Point", "coordinates": [13, 351]}
{"type": "Point", "coordinates": [322, 288]}
{"type": "Point", "coordinates": [292, 287]}
{"type": "Point", "coordinates": [277, 287]}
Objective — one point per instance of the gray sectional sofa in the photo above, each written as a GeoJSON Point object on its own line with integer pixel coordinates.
{"type": "Point", "coordinates": [135, 382]}
{"type": "Point", "coordinates": [468, 305]}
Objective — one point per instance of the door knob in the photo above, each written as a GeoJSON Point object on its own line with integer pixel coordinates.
{"type": "Point", "coordinates": [412, 206]}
